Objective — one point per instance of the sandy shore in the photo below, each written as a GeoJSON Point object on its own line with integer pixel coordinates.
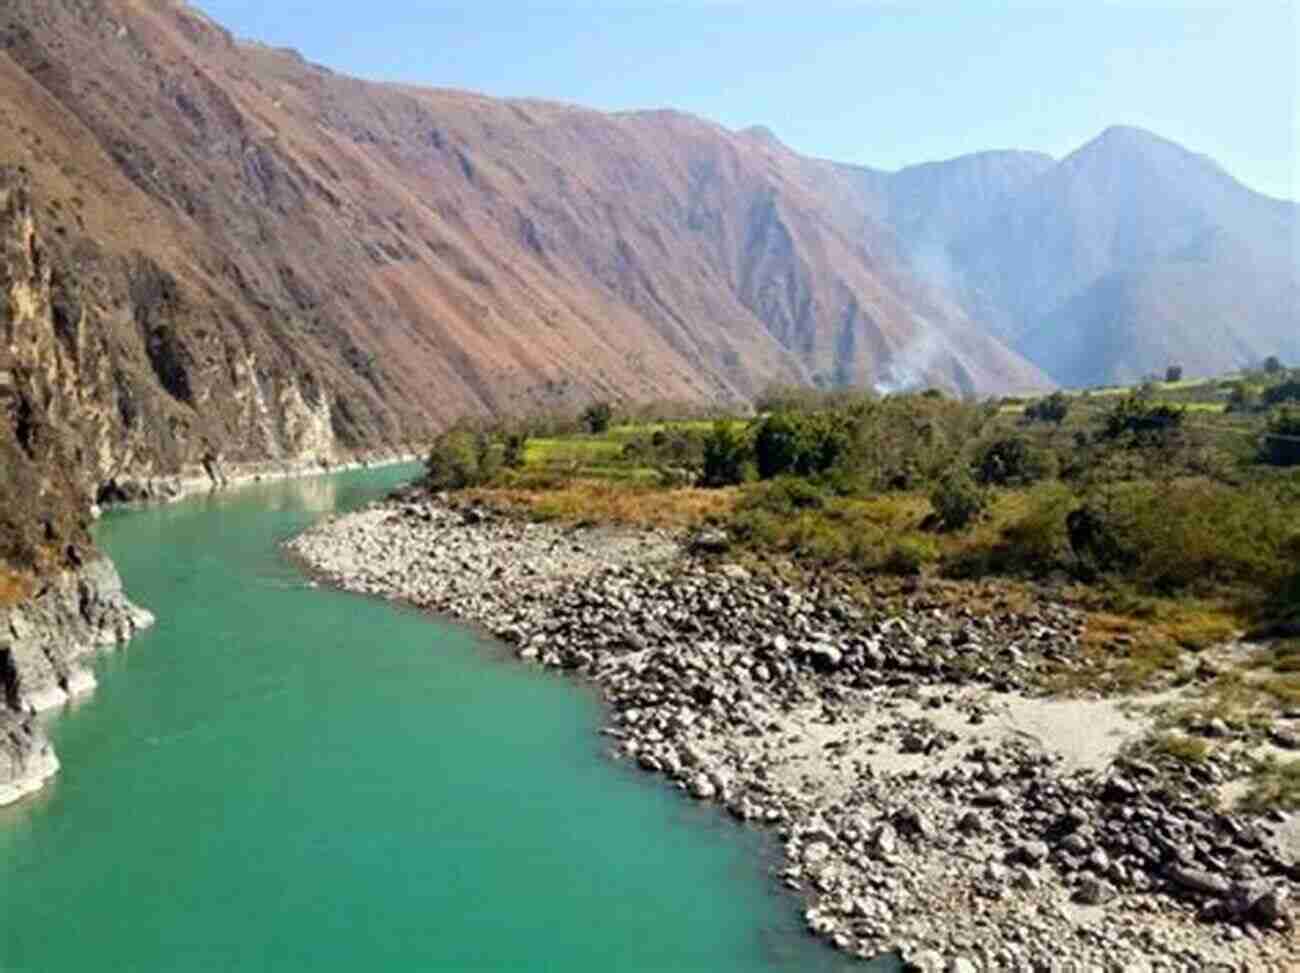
{"type": "Point", "coordinates": [930, 801]}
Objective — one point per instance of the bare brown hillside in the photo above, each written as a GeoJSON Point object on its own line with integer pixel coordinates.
{"type": "Point", "coordinates": [217, 250]}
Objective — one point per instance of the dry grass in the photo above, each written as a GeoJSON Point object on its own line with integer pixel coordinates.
{"type": "Point", "coordinates": [1133, 644]}
{"type": "Point", "coordinates": [1188, 749]}
{"type": "Point", "coordinates": [1275, 785]}
{"type": "Point", "coordinates": [14, 587]}
{"type": "Point", "coordinates": [600, 501]}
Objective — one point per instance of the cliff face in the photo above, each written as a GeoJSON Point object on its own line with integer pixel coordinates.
{"type": "Point", "coordinates": [110, 373]}
{"type": "Point", "coordinates": [43, 642]}
{"type": "Point", "coordinates": [215, 253]}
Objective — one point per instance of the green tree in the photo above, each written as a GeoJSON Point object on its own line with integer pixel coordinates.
{"type": "Point", "coordinates": [726, 455]}
{"type": "Point", "coordinates": [1272, 364]}
{"type": "Point", "coordinates": [957, 500]}
{"type": "Point", "coordinates": [1281, 444]}
{"type": "Point", "coordinates": [452, 463]}
{"type": "Point", "coordinates": [597, 417]}
{"type": "Point", "coordinates": [1054, 408]}
{"type": "Point", "coordinates": [1012, 461]}
{"type": "Point", "coordinates": [1282, 392]}
{"type": "Point", "coordinates": [1174, 373]}
{"type": "Point", "coordinates": [804, 445]}
{"type": "Point", "coordinates": [1142, 421]}
{"type": "Point", "coordinates": [516, 448]}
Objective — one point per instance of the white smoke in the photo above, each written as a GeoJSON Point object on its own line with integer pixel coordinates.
{"type": "Point", "coordinates": [907, 369]}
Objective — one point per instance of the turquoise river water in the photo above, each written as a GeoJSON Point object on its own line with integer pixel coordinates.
{"type": "Point", "coordinates": [278, 778]}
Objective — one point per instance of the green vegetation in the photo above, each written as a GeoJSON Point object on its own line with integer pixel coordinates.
{"type": "Point", "coordinates": [1174, 521]}
{"type": "Point", "coordinates": [597, 417]}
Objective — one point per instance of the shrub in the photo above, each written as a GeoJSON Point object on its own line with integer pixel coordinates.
{"type": "Point", "coordinates": [1195, 534]}
{"type": "Point", "coordinates": [786, 495]}
{"type": "Point", "coordinates": [1272, 364]}
{"type": "Point", "coordinates": [1037, 538]}
{"type": "Point", "coordinates": [1013, 461]}
{"type": "Point", "coordinates": [1144, 421]}
{"type": "Point", "coordinates": [1242, 398]}
{"type": "Point", "coordinates": [597, 417]}
{"type": "Point", "coordinates": [1053, 409]}
{"type": "Point", "coordinates": [1174, 373]}
{"type": "Point", "coordinates": [726, 456]}
{"type": "Point", "coordinates": [908, 556]}
{"type": "Point", "coordinates": [1282, 392]}
{"type": "Point", "coordinates": [1281, 444]}
{"type": "Point", "coordinates": [460, 458]}
{"type": "Point", "coordinates": [957, 500]}
{"type": "Point", "coordinates": [804, 445]}
{"type": "Point", "coordinates": [516, 446]}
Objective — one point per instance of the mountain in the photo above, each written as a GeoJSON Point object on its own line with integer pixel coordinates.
{"type": "Point", "coordinates": [213, 252]}
{"type": "Point", "coordinates": [1130, 254]}
{"type": "Point", "coordinates": [216, 252]}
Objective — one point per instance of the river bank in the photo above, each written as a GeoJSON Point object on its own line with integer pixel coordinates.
{"type": "Point", "coordinates": [45, 643]}
{"type": "Point", "coordinates": [215, 475]}
{"type": "Point", "coordinates": [929, 800]}
{"type": "Point", "coordinates": [47, 640]}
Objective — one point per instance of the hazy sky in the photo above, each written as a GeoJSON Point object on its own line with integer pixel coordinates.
{"type": "Point", "coordinates": [877, 83]}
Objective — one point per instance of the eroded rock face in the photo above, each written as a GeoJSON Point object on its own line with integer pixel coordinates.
{"type": "Point", "coordinates": [119, 382]}
{"type": "Point", "coordinates": [44, 642]}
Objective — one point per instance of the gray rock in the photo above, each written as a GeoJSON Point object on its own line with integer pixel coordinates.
{"type": "Point", "coordinates": [710, 542]}
{"type": "Point", "coordinates": [885, 840]}
{"type": "Point", "coordinates": [1199, 880]}
{"type": "Point", "coordinates": [825, 657]}
{"type": "Point", "coordinates": [995, 797]}
{"type": "Point", "coordinates": [1269, 905]}
{"type": "Point", "coordinates": [1030, 853]}
{"type": "Point", "coordinates": [1093, 891]}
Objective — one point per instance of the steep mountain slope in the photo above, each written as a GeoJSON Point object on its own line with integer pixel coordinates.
{"type": "Point", "coordinates": [1128, 255]}
{"type": "Point", "coordinates": [218, 252]}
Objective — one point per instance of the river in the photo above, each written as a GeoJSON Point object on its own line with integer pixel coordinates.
{"type": "Point", "coordinates": [284, 778]}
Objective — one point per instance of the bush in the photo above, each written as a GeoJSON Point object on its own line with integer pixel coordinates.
{"type": "Point", "coordinates": [1196, 534]}
{"type": "Point", "coordinates": [597, 417]}
{"type": "Point", "coordinates": [1283, 392]}
{"type": "Point", "coordinates": [1272, 364]}
{"type": "Point", "coordinates": [1242, 398]}
{"type": "Point", "coordinates": [1174, 373]}
{"type": "Point", "coordinates": [1281, 445]}
{"type": "Point", "coordinates": [1013, 461]}
{"type": "Point", "coordinates": [1145, 422]}
{"type": "Point", "coordinates": [1053, 409]}
{"type": "Point", "coordinates": [804, 445]}
{"type": "Point", "coordinates": [908, 556]}
{"type": "Point", "coordinates": [786, 495]}
{"type": "Point", "coordinates": [461, 458]}
{"type": "Point", "coordinates": [726, 456]}
{"type": "Point", "coordinates": [516, 446]}
{"type": "Point", "coordinates": [957, 500]}
{"type": "Point", "coordinates": [1038, 536]}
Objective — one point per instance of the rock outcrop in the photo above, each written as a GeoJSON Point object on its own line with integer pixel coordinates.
{"type": "Point", "coordinates": [44, 644]}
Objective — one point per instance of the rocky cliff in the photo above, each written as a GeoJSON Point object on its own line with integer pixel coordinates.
{"type": "Point", "coordinates": [215, 255]}
{"type": "Point", "coordinates": [43, 644]}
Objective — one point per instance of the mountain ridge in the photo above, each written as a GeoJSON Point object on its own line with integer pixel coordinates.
{"type": "Point", "coordinates": [224, 253]}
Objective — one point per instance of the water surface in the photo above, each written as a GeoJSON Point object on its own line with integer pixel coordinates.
{"type": "Point", "coordinates": [277, 778]}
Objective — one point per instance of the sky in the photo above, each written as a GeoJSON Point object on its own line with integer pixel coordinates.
{"type": "Point", "coordinates": [871, 82]}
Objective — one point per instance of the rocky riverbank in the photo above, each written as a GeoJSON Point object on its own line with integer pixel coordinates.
{"type": "Point", "coordinates": [215, 475]}
{"type": "Point", "coordinates": [930, 801]}
{"type": "Point", "coordinates": [44, 643]}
